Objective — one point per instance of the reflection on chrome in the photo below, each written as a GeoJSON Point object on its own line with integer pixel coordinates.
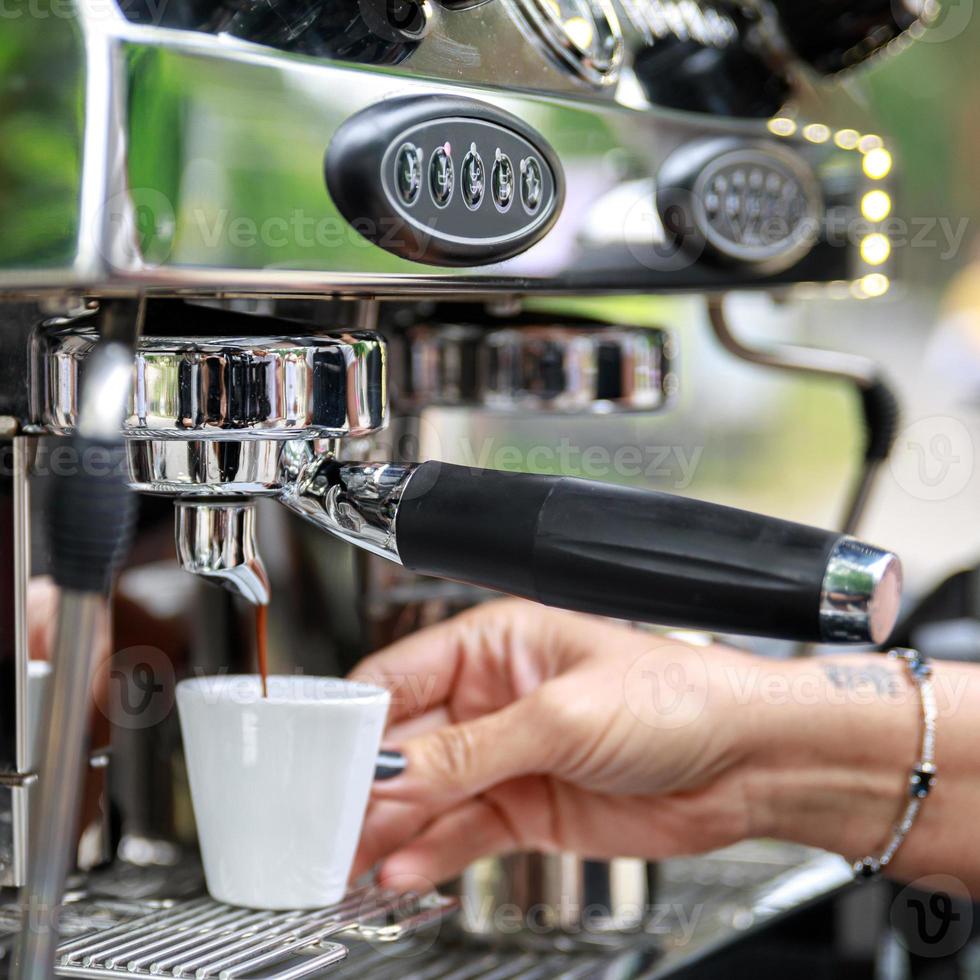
{"type": "Point", "coordinates": [217, 541]}
{"type": "Point", "coordinates": [861, 593]}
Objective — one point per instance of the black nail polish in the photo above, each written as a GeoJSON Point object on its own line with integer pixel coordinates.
{"type": "Point", "coordinates": [390, 763]}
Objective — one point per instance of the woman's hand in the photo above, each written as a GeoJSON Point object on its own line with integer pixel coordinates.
{"type": "Point", "coordinates": [524, 728]}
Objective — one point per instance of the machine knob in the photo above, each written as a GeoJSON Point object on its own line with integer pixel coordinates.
{"type": "Point", "coordinates": [731, 81]}
{"type": "Point", "coordinates": [377, 32]}
{"type": "Point", "coordinates": [836, 34]}
{"type": "Point", "coordinates": [741, 202]}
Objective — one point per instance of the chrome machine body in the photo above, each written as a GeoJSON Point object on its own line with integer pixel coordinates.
{"type": "Point", "coordinates": [275, 229]}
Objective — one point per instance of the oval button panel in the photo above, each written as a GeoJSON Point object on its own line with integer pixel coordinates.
{"type": "Point", "coordinates": [444, 180]}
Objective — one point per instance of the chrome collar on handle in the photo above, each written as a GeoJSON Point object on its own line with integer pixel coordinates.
{"type": "Point", "coordinates": [861, 593]}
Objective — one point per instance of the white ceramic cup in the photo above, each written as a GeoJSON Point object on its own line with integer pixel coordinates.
{"type": "Point", "coordinates": [279, 784]}
{"type": "Point", "coordinates": [38, 672]}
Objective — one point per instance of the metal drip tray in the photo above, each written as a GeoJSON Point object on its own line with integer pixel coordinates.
{"type": "Point", "coordinates": [202, 938]}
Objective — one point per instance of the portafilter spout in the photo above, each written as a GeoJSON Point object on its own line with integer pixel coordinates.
{"type": "Point", "coordinates": [216, 539]}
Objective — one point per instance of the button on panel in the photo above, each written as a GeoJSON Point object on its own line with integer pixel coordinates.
{"type": "Point", "coordinates": [502, 181]}
{"type": "Point", "coordinates": [532, 184]}
{"type": "Point", "coordinates": [408, 173]}
{"type": "Point", "coordinates": [474, 179]}
{"type": "Point", "coordinates": [442, 176]}
{"type": "Point", "coordinates": [458, 182]}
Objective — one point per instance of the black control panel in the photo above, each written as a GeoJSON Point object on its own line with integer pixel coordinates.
{"type": "Point", "coordinates": [741, 202]}
{"type": "Point", "coordinates": [444, 180]}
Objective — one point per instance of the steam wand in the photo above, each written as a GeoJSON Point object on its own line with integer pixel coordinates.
{"type": "Point", "coordinates": [92, 519]}
{"type": "Point", "coordinates": [878, 402]}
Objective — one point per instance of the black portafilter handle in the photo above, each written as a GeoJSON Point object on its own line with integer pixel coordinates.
{"type": "Point", "coordinates": [645, 556]}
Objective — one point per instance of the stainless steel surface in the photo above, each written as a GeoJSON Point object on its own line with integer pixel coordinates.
{"type": "Point", "coordinates": [206, 467]}
{"type": "Point", "coordinates": [692, 907]}
{"type": "Point", "coordinates": [584, 35]}
{"type": "Point", "coordinates": [656, 19]}
{"type": "Point", "coordinates": [82, 625]}
{"type": "Point", "coordinates": [861, 594]}
{"type": "Point", "coordinates": [105, 399]}
{"type": "Point", "coordinates": [21, 797]}
{"type": "Point", "coordinates": [440, 364]}
{"type": "Point", "coordinates": [167, 214]}
{"type": "Point", "coordinates": [556, 898]}
{"type": "Point", "coordinates": [210, 416]}
{"type": "Point", "coordinates": [557, 368]}
{"type": "Point", "coordinates": [702, 905]}
{"type": "Point", "coordinates": [739, 891]}
{"type": "Point", "coordinates": [217, 540]}
{"type": "Point", "coordinates": [234, 388]}
{"type": "Point", "coordinates": [357, 502]}
{"type": "Point", "coordinates": [196, 169]}
{"type": "Point", "coordinates": [203, 938]}
{"type": "Point", "coordinates": [17, 775]}
{"type": "Point", "coordinates": [562, 369]}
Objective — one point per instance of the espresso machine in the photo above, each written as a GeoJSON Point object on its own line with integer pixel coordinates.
{"type": "Point", "coordinates": [272, 237]}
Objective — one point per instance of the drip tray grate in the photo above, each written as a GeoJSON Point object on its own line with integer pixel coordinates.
{"type": "Point", "coordinates": [201, 938]}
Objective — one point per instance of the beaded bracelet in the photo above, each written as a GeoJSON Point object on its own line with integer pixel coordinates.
{"type": "Point", "coordinates": [923, 773]}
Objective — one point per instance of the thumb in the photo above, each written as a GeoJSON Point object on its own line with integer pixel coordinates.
{"type": "Point", "coordinates": [456, 762]}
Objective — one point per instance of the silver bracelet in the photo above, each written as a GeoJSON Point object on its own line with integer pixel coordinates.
{"type": "Point", "coordinates": [923, 773]}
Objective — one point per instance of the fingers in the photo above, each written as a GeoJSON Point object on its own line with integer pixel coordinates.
{"type": "Point", "coordinates": [483, 659]}
{"type": "Point", "coordinates": [472, 830]}
{"type": "Point", "coordinates": [526, 815]}
{"type": "Point", "coordinates": [388, 826]}
{"type": "Point", "coordinates": [448, 765]}
{"type": "Point", "coordinates": [402, 731]}
{"type": "Point", "coordinates": [423, 669]}
{"type": "Point", "coordinates": [418, 670]}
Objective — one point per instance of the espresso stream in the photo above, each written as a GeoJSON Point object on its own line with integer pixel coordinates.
{"type": "Point", "coordinates": [262, 645]}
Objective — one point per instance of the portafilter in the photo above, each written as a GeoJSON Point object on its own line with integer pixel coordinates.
{"type": "Point", "coordinates": [216, 421]}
